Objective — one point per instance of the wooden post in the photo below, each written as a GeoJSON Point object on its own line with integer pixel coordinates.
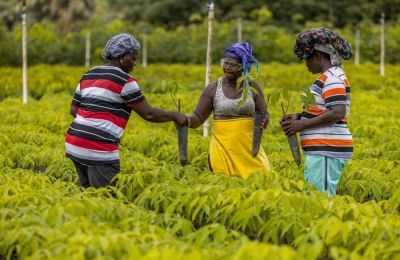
{"type": "Point", "coordinates": [357, 50]}
{"type": "Point", "coordinates": [239, 29]}
{"type": "Point", "coordinates": [209, 56]}
{"type": "Point", "coordinates": [144, 33]}
{"type": "Point", "coordinates": [24, 56]}
{"type": "Point", "coordinates": [144, 57]}
{"type": "Point", "coordinates": [87, 50]}
{"type": "Point", "coordinates": [382, 44]}
{"type": "Point", "coordinates": [331, 10]}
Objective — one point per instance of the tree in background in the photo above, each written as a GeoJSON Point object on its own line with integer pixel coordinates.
{"type": "Point", "coordinates": [175, 30]}
{"type": "Point", "coordinates": [291, 14]}
{"type": "Point", "coordinates": [68, 14]}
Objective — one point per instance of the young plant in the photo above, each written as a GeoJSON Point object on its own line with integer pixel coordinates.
{"type": "Point", "coordinates": [173, 85]}
{"type": "Point", "coordinates": [245, 86]}
{"type": "Point", "coordinates": [285, 97]}
{"type": "Point", "coordinates": [293, 142]}
{"type": "Point", "coordinates": [258, 115]}
{"type": "Point", "coordinates": [307, 99]}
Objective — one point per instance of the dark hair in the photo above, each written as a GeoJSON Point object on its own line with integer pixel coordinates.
{"type": "Point", "coordinates": [325, 54]}
{"type": "Point", "coordinates": [314, 52]}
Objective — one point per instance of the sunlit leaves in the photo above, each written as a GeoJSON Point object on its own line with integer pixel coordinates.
{"type": "Point", "coordinates": [159, 209]}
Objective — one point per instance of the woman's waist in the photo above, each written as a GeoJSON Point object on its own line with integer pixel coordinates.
{"type": "Point", "coordinates": [230, 117]}
{"type": "Point", "coordinates": [233, 126]}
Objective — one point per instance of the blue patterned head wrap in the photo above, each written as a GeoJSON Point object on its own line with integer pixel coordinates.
{"type": "Point", "coordinates": [243, 52]}
{"type": "Point", "coordinates": [120, 44]}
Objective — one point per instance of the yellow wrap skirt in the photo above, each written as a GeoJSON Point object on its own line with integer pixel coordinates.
{"type": "Point", "coordinates": [230, 149]}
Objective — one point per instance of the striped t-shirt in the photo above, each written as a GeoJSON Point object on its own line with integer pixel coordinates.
{"type": "Point", "coordinates": [103, 99]}
{"type": "Point", "coordinates": [334, 140]}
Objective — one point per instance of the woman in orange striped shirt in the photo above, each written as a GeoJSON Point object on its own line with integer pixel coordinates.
{"type": "Point", "coordinates": [325, 137]}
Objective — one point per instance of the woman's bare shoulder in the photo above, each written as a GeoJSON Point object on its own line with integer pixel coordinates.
{"type": "Point", "coordinates": [211, 88]}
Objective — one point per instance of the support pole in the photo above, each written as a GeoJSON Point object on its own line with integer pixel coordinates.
{"type": "Point", "coordinates": [145, 32]}
{"type": "Point", "coordinates": [144, 57]}
{"type": "Point", "coordinates": [331, 10]}
{"type": "Point", "coordinates": [382, 44]}
{"type": "Point", "coordinates": [357, 50]}
{"type": "Point", "coordinates": [87, 50]}
{"type": "Point", "coordinates": [24, 56]}
{"type": "Point", "coordinates": [239, 29]}
{"type": "Point", "coordinates": [209, 55]}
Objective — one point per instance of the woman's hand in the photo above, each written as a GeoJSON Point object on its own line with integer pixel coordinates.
{"type": "Point", "coordinates": [265, 121]}
{"type": "Point", "coordinates": [292, 126]}
{"type": "Point", "coordinates": [180, 119]}
{"type": "Point", "coordinates": [289, 117]}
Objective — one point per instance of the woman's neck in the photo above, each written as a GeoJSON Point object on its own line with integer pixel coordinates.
{"type": "Point", "coordinates": [113, 63]}
{"type": "Point", "coordinates": [230, 82]}
{"type": "Point", "coordinates": [326, 66]}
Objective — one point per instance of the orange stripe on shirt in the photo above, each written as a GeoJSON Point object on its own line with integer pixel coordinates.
{"type": "Point", "coordinates": [325, 142]}
{"type": "Point", "coordinates": [323, 78]}
{"type": "Point", "coordinates": [346, 82]}
{"type": "Point", "coordinates": [316, 111]}
{"type": "Point", "coordinates": [334, 91]}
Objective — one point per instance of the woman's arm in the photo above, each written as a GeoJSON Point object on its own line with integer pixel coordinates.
{"type": "Point", "coordinates": [331, 115]}
{"type": "Point", "coordinates": [258, 95]}
{"type": "Point", "coordinates": [156, 115]}
{"type": "Point", "coordinates": [76, 101]}
{"type": "Point", "coordinates": [73, 111]}
{"type": "Point", "coordinates": [204, 106]}
{"type": "Point", "coordinates": [260, 104]}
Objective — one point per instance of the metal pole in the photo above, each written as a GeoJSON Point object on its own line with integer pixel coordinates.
{"type": "Point", "coordinates": [209, 57]}
{"type": "Point", "coordinates": [382, 44]}
{"type": "Point", "coordinates": [357, 51]}
{"type": "Point", "coordinates": [144, 61]}
{"type": "Point", "coordinates": [87, 50]}
{"type": "Point", "coordinates": [24, 56]}
{"type": "Point", "coordinates": [239, 29]}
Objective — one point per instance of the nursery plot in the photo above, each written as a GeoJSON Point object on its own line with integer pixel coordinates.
{"type": "Point", "coordinates": [160, 209]}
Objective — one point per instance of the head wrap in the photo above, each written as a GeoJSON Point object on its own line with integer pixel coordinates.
{"type": "Point", "coordinates": [243, 52]}
{"type": "Point", "coordinates": [323, 40]}
{"type": "Point", "coordinates": [120, 44]}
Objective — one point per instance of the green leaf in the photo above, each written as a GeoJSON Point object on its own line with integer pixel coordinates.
{"type": "Point", "coordinates": [244, 97]}
{"type": "Point", "coordinates": [307, 99]}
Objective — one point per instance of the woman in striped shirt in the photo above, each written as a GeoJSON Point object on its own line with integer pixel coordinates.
{"type": "Point", "coordinates": [325, 137]}
{"type": "Point", "coordinates": [101, 107]}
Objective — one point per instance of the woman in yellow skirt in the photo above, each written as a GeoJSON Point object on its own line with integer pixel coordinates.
{"type": "Point", "coordinates": [231, 142]}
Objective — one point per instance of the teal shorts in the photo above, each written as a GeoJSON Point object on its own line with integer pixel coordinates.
{"type": "Point", "coordinates": [324, 172]}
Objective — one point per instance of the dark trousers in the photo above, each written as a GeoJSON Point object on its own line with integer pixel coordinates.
{"type": "Point", "coordinates": [96, 176]}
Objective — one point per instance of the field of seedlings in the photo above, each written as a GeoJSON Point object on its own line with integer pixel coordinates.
{"type": "Point", "coordinates": [162, 210]}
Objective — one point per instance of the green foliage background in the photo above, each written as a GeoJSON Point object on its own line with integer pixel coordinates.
{"type": "Point", "coordinates": [185, 44]}
{"type": "Point", "coordinates": [159, 209]}
{"type": "Point", "coordinates": [177, 30]}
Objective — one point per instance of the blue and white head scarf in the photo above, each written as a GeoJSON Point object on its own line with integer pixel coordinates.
{"type": "Point", "coordinates": [120, 44]}
{"type": "Point", "coordinates": [242, 51]}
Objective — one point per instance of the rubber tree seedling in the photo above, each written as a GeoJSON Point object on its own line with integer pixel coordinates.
{"type": "Point", "coordinates": [257, 129]}
{"type": "Point", "coordinates": [182, 140]}
{"type": "Point", "coordinates": [293, 141]}
{"type": "Point", "coordinates": [172, 86]}
{"type": "Point", "coordinates": [258, 115]}
{"type": "Point", "coordinates": [283, 96]}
